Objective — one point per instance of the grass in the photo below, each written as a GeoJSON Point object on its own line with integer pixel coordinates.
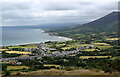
{"type": "Point", "coordinates": [73, 55]}
{"type": "Point", "coordinates": [113, 58]}
{"type": "Point", "coordinates": [9, 61]}
{"type": "Point", "coordinates": [23, 55]}
{"type": "Point", "coordinates": [87, 57]}
{"type": "Point", "coordinates": [60, 45]}
{"type": "Point", "coordinates": [104, 44]}
{"type": "Point", "coordinates": [18, 52]}
{"type": "Point", "coordinates": [4, 49]}
{"type": "Point", "coordinates": [78, 45]}
{"type": "Point", "coordinates": [48, 65]}
{"type": "Point", "coordinates": [24, 46]}
{"type": "Point", "coordinates": [64, 72]}
{"type": "Point", "coordinates": [17, 67]}
{"type": "Point", "coordinates": [65, 48]}
{"type": "Point", "coordinates": [20, 47]}
{"type": "Point", "coordinates": [89, 50]}
{"type": "Point", "coordinates": [74, 46]}
{"type": "Point", "coordinates": [104, 47]}
{"type": "Point", "coordinates": [112, 39]}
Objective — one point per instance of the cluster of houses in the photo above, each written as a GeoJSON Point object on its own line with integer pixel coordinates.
{"type": "Point", "coordinates": [43, 48]}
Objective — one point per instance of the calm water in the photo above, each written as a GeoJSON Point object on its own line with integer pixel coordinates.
{"type": "Point", "coordinates": [12, 36]}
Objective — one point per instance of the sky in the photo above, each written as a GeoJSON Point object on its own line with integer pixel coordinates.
{"type": "Point", "coordinates": [40, 12]}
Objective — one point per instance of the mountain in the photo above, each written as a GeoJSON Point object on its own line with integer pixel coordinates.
{"type": "Point", "coordinates": [106, 23]}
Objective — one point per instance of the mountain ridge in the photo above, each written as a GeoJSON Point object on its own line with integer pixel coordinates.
{"type": "Point", "coordinates": [105, 23]}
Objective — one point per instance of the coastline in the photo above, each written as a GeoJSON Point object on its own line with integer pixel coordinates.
{"type": "Point", "coordinates": [51, 34]}
{"type": "Point", "coordinates": [66, 39]}
{"type": "Point", "coordinates": [43, 31]}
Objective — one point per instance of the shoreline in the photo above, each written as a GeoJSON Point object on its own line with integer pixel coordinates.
{"type": "Point", "coordinates": [65, 38]}
{"type": "Point", "coordinates": [60, 37]}
{"type": "Point", "coordinates": [43, 31]}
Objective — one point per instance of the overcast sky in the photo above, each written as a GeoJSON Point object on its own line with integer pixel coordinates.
{"type": "Point", "coordinates": [36, 12]}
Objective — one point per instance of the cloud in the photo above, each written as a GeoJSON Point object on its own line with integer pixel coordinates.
{"type": "Point", "coordinates": [38, 13]}
{"type": "Point", "coordinates": [59, 0]}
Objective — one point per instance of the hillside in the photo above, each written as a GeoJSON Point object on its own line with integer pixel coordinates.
{"type": "Point", "coordinates": [108, 23]}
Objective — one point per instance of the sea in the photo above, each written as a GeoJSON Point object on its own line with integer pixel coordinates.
{"type": "Point", "coordinates": [17, 36]}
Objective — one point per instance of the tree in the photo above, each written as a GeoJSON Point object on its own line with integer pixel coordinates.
{"type": "Point", "coordinates": [6, 73]}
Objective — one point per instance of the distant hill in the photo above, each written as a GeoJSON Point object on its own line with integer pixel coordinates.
{"type": "Point", "coordinates": [107, 23]}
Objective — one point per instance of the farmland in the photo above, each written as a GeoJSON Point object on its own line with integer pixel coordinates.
{"type": "Point", "coordinates": [74, 57]}
{"type": "Point", "coordinates": [16, 67]}
{"type": "Point", "coordinates": [104, 47]}
{"type": "Point", "coordinates": [23, 46]}
{"type": "Point", "coordinates": [88, 50]}
{"type": "Point", "coordinates": [18, 52]}
{"type": "Point", "coordinates": [112, 39]}
{"type": "Point", "coordinates": [105, 44]}
{"type": "Point", "coordinates": [87, 57]}
{"type": "Point", "coordinates": [4, 49]}
{"type": "Point", "coordinates": [48, 65]}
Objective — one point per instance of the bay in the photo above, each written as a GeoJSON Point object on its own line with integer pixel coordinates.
{"type": "Point", "coordinates": [13, 36]}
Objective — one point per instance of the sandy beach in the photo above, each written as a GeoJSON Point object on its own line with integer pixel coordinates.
{"type": "Point", "coordinates": [66, 39]}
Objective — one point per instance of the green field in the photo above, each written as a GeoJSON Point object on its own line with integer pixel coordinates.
{"type": "Point", "coordinates": [103, 44]}
{"type": "Point", "coordinates": [4, 49]}
{"type": "Point", "coordinates": [18, 52]}
{"type": "Point", "coordinates": [87, 57]}
{"type": "Point", "coordinates": [48, 65]}
{"type": "Point", "coordinates": [104, 47]}
{"type": "Point", "coordinates": [88, 50]}
{"type": "Point", "coordinates": [17, 67]}
{"type": "Point", "coordinates": [24, 46]}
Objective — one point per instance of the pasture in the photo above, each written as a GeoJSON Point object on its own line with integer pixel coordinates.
{"type": "Point", "coordinates": [87, 57]}
{"type": "Point", "coordinates": [18, 52]}
{"type": "Point", "coordinates": [24, 46]}
{"type": "Point", "coordinates": [4, 49]}
{"type": "Point", "coordinates": [104, 47]}
{"type": "Point", "coordinates": [48, 65]}
{"type": "Point", "coordinates": [103, 44]}
{"type": "Point", "coordinates": [89, 50]}
{"type": "Point", "coordinates": [17, 67]}
{"type": "Point", "coordinates": [112, 39]}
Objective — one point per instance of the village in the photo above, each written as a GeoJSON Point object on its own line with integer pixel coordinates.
{"type": "Point", "coordinates": [42, 52]}
{"type": "Point", "coordinates": [58, 55]}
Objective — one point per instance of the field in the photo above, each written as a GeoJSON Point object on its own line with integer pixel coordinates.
{"type": "Point", "coordinates": [18, 52]}
{"type": "Point", "coordinates": [48, 65]}
{"type": "Point", "coordinates": [23, 55]}
{"type": "Point", "coordinates": [104, 47]}
{"type": "Point", "coordinates": [78, 45]}
{"type": "Point", "coordinates": [88, 50]}
{"type": "Point", "coordinates": [100, 44]}
{"type": "Point", "coordinates": [118, 57]}
{"type": "Point", "coordinates": [16, 67]}
{"type": "Point", "coordinates": [74, 46]}
{"type": "Point", "coordinates": [24, 46]}
{"type": "Point", "coordinates": [4, 49]}
{"type": "Point", "coordinates": [87, 57]}
{"type": "Point", "coordinates": [4, 62]}
{"type": "Point", "coordinates": [65, 48]}
{"type": "Point", "coordinates": [112, 39]}
{"type": "Point", "coordinates": [64, 72]}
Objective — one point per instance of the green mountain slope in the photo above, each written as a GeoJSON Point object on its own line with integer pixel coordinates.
{"type": "Point", "coordinates": [108, 23]}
